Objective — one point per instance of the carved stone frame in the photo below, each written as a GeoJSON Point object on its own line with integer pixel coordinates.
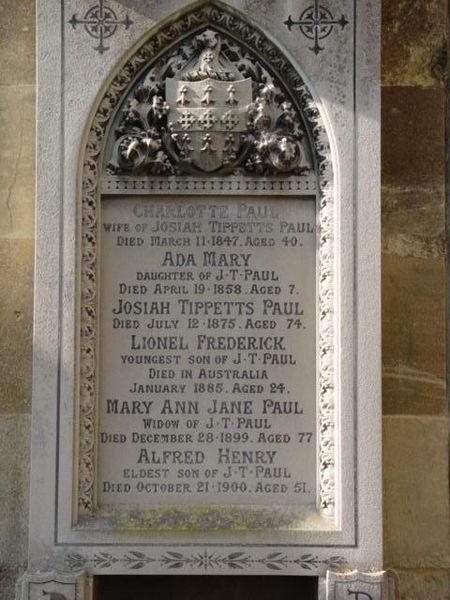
{"type": "Point", "coordinates": [223, 19]}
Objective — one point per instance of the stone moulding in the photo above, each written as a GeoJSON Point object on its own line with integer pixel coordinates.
{"type": "Point", "coordinates": [199, 17]}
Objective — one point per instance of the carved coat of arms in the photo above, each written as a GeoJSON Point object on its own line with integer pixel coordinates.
{"type": "Point", "coordinates": [211, 111]}
{"type": "Point", "coordinates": [209, 103]}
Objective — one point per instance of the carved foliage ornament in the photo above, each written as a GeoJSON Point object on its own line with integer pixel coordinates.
{"type": "Point", "coordinates": [209, 108]}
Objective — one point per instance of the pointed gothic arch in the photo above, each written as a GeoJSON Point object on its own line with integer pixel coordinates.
{"type": "Point", "coordinates": [96, 178]}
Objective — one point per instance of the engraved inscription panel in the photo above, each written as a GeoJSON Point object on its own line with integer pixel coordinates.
{"type": "Point", "coordinates": [208, 351]}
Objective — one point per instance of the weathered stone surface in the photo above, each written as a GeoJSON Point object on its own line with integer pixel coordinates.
{"type": "Point", "coordinates": [413, 136]}
{"type": "Point", "coordinates": [17, 156]}
{"type": "Point", "coordinates": [8, 579]}
{"type": "Point", "coordinates": [14, 466]}
{"type": "Point", "coordinates": [414, 353]}
{"type": "Point", "coordinates": [17, 41]}
{"type": "Point", "coordinates": [16, 324]}
{"type": "Point", "coordinates": [423, 585]}
{"type": "Point", "coordinates": [413, 221]}
{"type": "Point", "coordinates": [416, 503]}
{"type": "Point", "coordinates": [412, 392]}
{"type": "Point", "coordinates": [414, 42]}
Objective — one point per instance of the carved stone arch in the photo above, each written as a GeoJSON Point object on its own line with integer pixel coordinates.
{"type": "Point", "coordinates": [317, 178]}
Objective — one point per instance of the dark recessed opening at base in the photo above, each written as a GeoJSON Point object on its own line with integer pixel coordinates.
{"type": "Point", "coordinates": [194, 587]}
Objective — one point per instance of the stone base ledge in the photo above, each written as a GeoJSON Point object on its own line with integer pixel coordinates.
{"type": "Point", "coordinates": [349, 585]}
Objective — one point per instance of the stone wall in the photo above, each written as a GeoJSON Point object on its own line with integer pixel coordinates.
{"type": "Point", "coordinates": [415, 401]}
{"type": "Point", "coordinates": [416, 486]}
{"type": "Point", "coordinates": [17, 153]}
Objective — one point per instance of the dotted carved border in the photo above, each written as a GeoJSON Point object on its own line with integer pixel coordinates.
{"type": "Point", "coordinates": [215, 16]}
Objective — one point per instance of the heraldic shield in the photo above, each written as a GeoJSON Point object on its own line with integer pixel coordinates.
{"type": "Point", "coordinates": [207, 119]}
{"type": "Point", "coordinates": [208, 108]}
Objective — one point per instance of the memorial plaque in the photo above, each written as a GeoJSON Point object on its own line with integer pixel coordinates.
{"type": "Point", "coordinates": [208, 351]}
{"type": "Point", "coordinates": [206, 382]}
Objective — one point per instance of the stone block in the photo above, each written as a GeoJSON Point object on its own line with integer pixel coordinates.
{"type": "Point", "coordinates": [14, 475]}
{"type": "Point", "coordinates": [17, 41]}
{"type": "Point", "coordinates": [414, 335]}
{"type": "Point", "coordinates": [423, 585]}
{"type": "Point", "coordinates": [414, 42]}
{"type": "Point", "coordinates": [416, 501]}
{"type": "Point", "coordinates": [413, 222]}
{"type": "Point", "coordinates": [16, 325]}
{"type": "Point", "coordinates": [412, 392]}
{"type": "Point", "coordinates": [17, 161]}
{"type": "Point", "coordinates": [413, 137]}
